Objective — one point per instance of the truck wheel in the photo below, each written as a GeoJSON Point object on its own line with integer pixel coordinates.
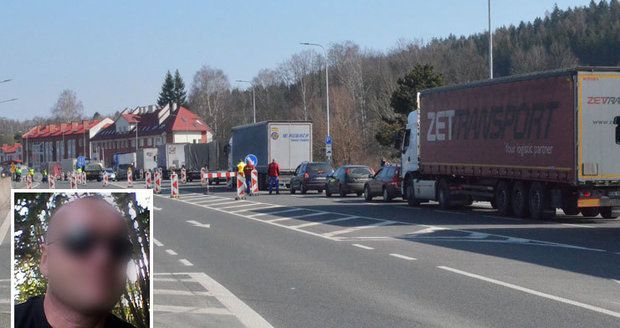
{"type": "Point", "coordinates": [539, 202]}
{"type": "Point", "coordinates": [292, 189]}
{"type": "Point", "coordinates": [367, 194]}
{"type": "Point", "coordinates": [443, 195]}
{"type": "Point", "coordinates": [590, 212]}
{"type": "Point", "coordinates": [609, 213]}
{"type": "Point", "coordinates": [502, 198]}
{"type": "Point", "coordinates": [303, 189]}
{"type": "Point", "coordinates": [519, 199]}
{"type": "Point", "coordinates": [411, 200]}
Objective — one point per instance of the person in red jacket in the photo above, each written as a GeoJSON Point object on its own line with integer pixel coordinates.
{"type": "Point", "coordinates": [247, 172]}
{"type": "Point", "coordinates": [273, 171]}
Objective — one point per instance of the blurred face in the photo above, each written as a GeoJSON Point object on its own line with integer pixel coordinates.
{"type": "Point", "coordinates": [86, 254]}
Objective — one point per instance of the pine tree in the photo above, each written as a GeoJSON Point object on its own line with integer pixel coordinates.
{"type": "Point", "coordinates": [179, 94]}
{"type": "Point", "coordinates": [166, 96]}
{"type": "Point", "coordinates": [404, 100]}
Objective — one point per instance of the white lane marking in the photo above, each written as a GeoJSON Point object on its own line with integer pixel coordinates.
{"type": "Point", "coordinates": [157, 242]}
{"type": "Point", "coordinates": [157, 208]}
{"type": "Point", "coordinates": [163, 279]}
{"type": "Point", "coordinates": [403, 257]}
{"type": "Point", "coordinates": [533, 292]}
{"type": "Point", "coordinates": [210, 205]}
{"type": "Point", "coordinates": [618, 281]}
{"type": "Point", "coordinates": [275, 212]}
{"type": "Point", "coordinates": [578, 225]}
{"type": "Point", "coordinates": [242, 311]}
{"type": "Point", "coordinates": [352, 229]}
{"type": "Point", "coordinates": [198, 224]}
{"type": "Point", "coordinates": [171, 252]}
{"type": "Point", "coordinates": [4, 229]}
{"type": "Point", "coordinates": [363, 246]}
{"type": "Point", "coordinates": [256, 208]}
{"type": "Point", "coordinates": [190, 309]}
{"type": "Point", "coordinates": [186, 262]}
{"type": "Point", "coordinates": [277, 220]}
{"type": "Point", "coordinates": [207, 201]}
{"type": "Point", "coordinates": [179, 292]}
{"type": "Point", "coordinates": [247, 203]}
{"type": "Point", "coordinates": [307, 215]}
{"type": "Point", "coordinates": [325, 222]}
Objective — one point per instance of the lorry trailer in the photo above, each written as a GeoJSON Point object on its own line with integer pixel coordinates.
{"type": "Point", "coordinates": [288, 142]}
{"type": "Point", "coordinates": [529, 144]}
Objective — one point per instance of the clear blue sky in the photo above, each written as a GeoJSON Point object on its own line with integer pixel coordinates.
{"type": "Point", "coordinates": [114, 53]}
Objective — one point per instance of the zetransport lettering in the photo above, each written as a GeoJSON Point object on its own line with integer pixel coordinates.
{"type": "Point", "coordinates": [603, 100]}
{"type": "Point", "coordinates": [510, 122]}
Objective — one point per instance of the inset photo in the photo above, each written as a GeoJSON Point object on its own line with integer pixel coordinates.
{"type": "Point", "coordinates": [82, 259]}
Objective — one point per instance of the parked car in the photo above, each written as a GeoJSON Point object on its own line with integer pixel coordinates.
{"type": "Point", "coordinates": [348, 179]}
{"type": "Point", "coordinates": [93, 171]}
{"type": "Point", "coordinates": [310, 176]}
{"type": "Point", "coordinates": [109, 172]}
{"type": "Point", "coordinates": [386, 183]}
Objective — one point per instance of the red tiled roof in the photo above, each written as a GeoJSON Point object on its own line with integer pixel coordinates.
{"type": "Point", "coordinates": [148, 124]}
{"type": "Point", "coordinates": [67, 129]}
{"type": "Point", "coordinates": [10, 148]}
{"type": "Point", "coordinates": [186, 120]}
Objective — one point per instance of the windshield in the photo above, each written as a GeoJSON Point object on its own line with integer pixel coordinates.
{"type": "Point", "coordinates": [319, 168]}
{"type": "Point", "coordinates": [358, 171]}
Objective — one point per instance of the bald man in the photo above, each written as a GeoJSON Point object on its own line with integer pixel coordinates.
{"type": "Point", "coordinates": [84, 259]}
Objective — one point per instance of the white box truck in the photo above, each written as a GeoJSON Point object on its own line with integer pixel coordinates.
{"type": "Point", "coordinates": [288, 142]}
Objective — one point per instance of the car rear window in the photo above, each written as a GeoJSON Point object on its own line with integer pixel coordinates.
{"type": "Point", "coordinates": [359, 171]}
{"type": "Point", "coordinates": [319, 168]}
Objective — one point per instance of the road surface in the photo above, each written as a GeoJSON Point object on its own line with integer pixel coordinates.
{"type": "Point", "coordinates": [312, 261]}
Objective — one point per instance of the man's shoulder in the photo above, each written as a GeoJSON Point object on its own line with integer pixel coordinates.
{"type": "Point", "coordinates": [29, 313]}
{"type": "Point", "coordinates": [116, 322]}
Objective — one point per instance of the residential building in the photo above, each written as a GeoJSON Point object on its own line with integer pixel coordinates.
{"type": "Point", "coordinates": [148, 127]}
{"type": "Point", "coordinates": [54, 142]}
{"type": "Point", "coordinates": [11, 153]}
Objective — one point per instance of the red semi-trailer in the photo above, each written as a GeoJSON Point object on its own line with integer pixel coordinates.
{"type": "Point", "coordinates": [528, 144]}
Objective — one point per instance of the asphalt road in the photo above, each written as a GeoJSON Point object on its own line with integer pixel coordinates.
{"type": "Point", "coordinates": [312, 261]}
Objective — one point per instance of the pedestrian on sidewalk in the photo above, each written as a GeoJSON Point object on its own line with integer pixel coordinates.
{"type": "Point", "coordinates": [247, 171]}
{"type": "Point", "coordinates": [273, 171]}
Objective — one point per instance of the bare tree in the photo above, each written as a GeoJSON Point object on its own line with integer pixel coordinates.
{"type": "Point", "coordinates": [299, 70]}
{"type": "Point", "coordinates": [207, 96]}
{"type": "Point", "coordinates": [68, 107]}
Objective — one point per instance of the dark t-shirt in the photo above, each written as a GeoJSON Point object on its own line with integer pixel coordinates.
{"type": "Point", "coordinates": [30, 314]}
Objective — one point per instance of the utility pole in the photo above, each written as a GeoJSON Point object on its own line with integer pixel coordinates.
{"type": "Point", "coordinates": [490, 42]}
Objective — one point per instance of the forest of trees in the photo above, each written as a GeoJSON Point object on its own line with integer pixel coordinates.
{"type": "Point", "coordinates": [362, 81]}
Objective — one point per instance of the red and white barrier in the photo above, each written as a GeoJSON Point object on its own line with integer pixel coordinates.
{"type": "Point", "coordinates": [106, 179]}
{"type": "Point", "coordinates": [129, 178]}
{"type": "Point", "coordinates": [240, 187]}
{"type": "Point", "coordinates": [203, 176]}
{"type": "Point", "coordinates": [254, 185]}
{"type": "Point", "coordinates": [222, 174]}
{"type": "Point", "coordinates": [84, 178]}
{"type": "Point", "coordinates": [157, 188]}
{"type": "Point", "coordinates": [147, 179]}
{"type": "Point", "coordinates": [72, 181]}
{"type": "Point", "coordinates": [174, 185]}
{"type": "Point", "coordinates": [183, 176]}
{"type": "Point", "coordinates": [51, 181]}
{"type": "Point", "coordinates": [28, 181]}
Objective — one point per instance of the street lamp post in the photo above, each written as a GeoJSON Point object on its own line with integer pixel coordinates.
{"type": "Point", "coordinates": [328, 138]}
{"type": "Point", "coordinates": [253, 96]}
{"type": "Point", "coordinates": [490, 42]}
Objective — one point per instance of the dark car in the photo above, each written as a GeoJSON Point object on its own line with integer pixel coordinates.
{"type": "Point", "coordinates": [348, 179]}
{"type": "Point", "coordinates": [386, 183]}
{"type": "Point", "coordinates": [93, 171]}
{"type": "Point", "coordinates": [310, 176]}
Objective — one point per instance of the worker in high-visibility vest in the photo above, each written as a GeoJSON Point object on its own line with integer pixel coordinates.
{"type": "Point", "coordinates": [240, 167]}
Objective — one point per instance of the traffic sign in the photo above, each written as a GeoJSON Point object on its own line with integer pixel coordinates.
{"type": "Point", "coordinates": [81, 161]}
{"type": "Point", "coordinates": [251, 158]}
{"type": "Point", "coordinates": [328, 146]}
